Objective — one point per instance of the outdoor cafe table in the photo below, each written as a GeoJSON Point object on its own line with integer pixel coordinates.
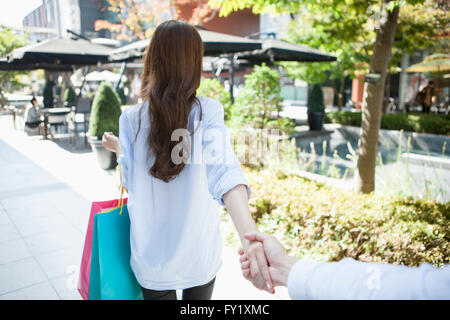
{"type": "Point", "coordinates": [46, 112]}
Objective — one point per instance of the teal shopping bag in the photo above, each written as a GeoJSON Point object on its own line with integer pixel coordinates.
{"type": "Point", "coordinates": [111, 277]}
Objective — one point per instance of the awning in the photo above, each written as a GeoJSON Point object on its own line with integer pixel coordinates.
{"type": "Point", "coordinates": [21, 65]}
{"type": "Point", "coordinates": [277, 50]}
{"type": "Point", "coordinates": [435, 63]}
{"type": "Point", "coordinates": [58, 53]}
{"type": "Point", "coordinates": [214, 43]}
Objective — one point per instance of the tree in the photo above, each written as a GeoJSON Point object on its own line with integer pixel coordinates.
{"type": "Point", "coordinates": [8, 42]}
{"type": "Point", "coordinates": [315, 99]}
{"type": "Point", "coordinates": [373, 99]}
{"type": "Point", "coordinates": [105, 112]}
{"type": "Point", "coordinates": [213, 89]}
{"type": "Point", "coordinates": [138, 18]}
{"type": "Point", "coordinates": [70, 96]}
{"type": "Point", "coordinates": [49, 99]}
{"type": "Point", "coordinates": [347, 20]}
{"type": "Point", "coordinates": [259, 102]}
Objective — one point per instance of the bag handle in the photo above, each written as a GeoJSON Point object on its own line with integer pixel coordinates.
{"type": "Point", "coordinates": [121, 188]}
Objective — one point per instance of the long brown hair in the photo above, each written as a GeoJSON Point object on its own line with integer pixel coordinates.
{"type": "Point", "coordinates": [171, 76]}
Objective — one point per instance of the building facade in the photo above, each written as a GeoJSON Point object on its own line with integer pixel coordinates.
{"type": "Point", "coordinates": [76, 15]}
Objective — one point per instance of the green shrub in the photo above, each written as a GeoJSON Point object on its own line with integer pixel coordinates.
{"type": "Point", "coordinates": [70, 96]}
{"type": "Point", "coordinates": [327, 224]}
{"type": "Point", "coordinates": [344, 118]}
{"type": "Point", "coordinates": [258, 105]}
{"type": "Point", "coordinates": [48, 94]}
{"type": "Point", "coordinates": [212, 88]}
{"type": "Point", "coordinates": [412, 122]}
{"type": "Point", "coordinates": [105, 112]}
{"type": "Point", "coordinates": [315, 99]}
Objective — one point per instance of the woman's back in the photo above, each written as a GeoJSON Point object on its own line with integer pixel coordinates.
{"type": "Point", "coordinates": [175, 236]}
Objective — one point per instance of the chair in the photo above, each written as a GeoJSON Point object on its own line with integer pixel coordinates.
{"type": "Point", "coordinates": [78, 120]}
{"type": "Point", "coordinates": [57, 121]}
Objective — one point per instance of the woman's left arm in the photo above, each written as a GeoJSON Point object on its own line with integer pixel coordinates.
{"type": "Point", "coordinates": [227, 184]}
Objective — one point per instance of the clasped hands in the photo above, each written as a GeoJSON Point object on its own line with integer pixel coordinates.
{"type": "Point", "coordinates": [265, 260]}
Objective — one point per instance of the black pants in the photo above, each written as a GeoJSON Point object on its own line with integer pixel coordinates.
{"type": "Point", "coordinates": [203, 292]}
{"type": "Point", "coordinates": [33, 125]}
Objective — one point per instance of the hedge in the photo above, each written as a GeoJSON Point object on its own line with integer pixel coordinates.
{"type": "Point", "coordinates": [327, 224]}
{"type": "Point", "coordinates": [412, 122]}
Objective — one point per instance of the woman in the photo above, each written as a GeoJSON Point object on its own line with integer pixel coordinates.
{"type": "Point", "coordinates": [177, 163]}
{"type": "Point", "coordinates": [32, 116]}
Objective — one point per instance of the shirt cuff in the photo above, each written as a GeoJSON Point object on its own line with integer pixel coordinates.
{"type": "Point", "coordinates": [124, 172]}
{"type": "Point", "coordinates": [297, 282]}
{"type": "Point", "coordinates": [231, 180]}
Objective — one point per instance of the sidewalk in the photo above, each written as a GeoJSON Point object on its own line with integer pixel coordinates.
{"type": "Point", "coordinates": [45, 194]}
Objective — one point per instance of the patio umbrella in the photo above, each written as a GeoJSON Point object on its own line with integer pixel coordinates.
{"type": "Point", "coordinates": [435, 63]}
{"type": "Point", "coordinates": [22, 65]}
{"type": "Point", "coordinates": [277, 50]}
{"type": "Point", "coordinates": [60, 52]}
{"type": "Point", "coordinates": [214, 44]}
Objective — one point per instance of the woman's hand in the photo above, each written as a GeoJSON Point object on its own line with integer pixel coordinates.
{"type": "Point", "coordinates": [111, 142]}
{"type": "Point", "coordinates": [258, 266]}
{"type": "Point", "coordinates": [280, 263]}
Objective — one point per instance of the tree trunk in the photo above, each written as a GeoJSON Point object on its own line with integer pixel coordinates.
{"type": "Point", "coordinates": [372, 102]}
{"type": "Point", "coordinates": [341, 93]}
{"type": "Point", "coordinates": [335, 93]}
{"type": "Point", "coordinates": [387, 94]}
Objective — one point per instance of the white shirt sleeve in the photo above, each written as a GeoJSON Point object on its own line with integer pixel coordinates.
{"type": "Point", "coordinates": [223, 169]}
{"type": "Point", "coordinates": [125, 159]}
{"type": "Point", "coordinates": [351, 279]}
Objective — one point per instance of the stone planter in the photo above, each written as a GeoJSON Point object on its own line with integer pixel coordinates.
{"type": "Point", "coordinates": [106, 159]}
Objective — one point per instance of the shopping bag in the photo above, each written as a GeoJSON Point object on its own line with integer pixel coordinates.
{"type": "Point", "coordinates": [111, 276]}
{"type": "Point", "coordinates": [85, 266]}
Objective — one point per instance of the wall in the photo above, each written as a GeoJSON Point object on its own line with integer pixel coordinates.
{"type": "Point", "coordinates": [240, 23]}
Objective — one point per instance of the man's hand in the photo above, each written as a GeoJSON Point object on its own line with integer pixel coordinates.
{"type": "Point", "coordinates": [280, 263]}
{"type": "Point", "coordinates": [111, 142]}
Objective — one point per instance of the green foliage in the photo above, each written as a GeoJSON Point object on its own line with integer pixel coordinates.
{"type": "Point", "coordinates": [258, 105]}
{"type": "Point", "coordinates": [413, 122]}
{"type": "Point", "coordinates": [70, 95]}
{"type": "Point", "coordinates": [326, 224]}
{"type": "Point", "coordinates": [105, 112]}
{"type": "Point", "coordinates": [212, 88]}
{"type": "Point", "coordinates": [48, 94]}
{"type": "Point", "coordinates": [315, 99]}
{"type": "Point", "coordinates": [8, 42]}
{"type": "Point", "coordinates": [347, 29]}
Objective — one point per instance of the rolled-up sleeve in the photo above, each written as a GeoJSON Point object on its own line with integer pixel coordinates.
{"type": "Point", "coordinates": [126, 157]}
{"type": "Point", "coordinates": [223, 169]}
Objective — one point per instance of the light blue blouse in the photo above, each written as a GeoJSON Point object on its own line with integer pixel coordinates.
{"type": "Point", "coordinates": [175, 237]}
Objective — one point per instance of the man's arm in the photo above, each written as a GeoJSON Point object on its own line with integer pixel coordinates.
{"type": "Point", "coordinates": [350, 279]}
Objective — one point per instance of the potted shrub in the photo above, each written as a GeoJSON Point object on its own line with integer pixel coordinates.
{"type": "Point", "coordinates": [69, 97]}
{"type": "Point", "coordinates": [48, 94]}
{"type": "Point", "coordinates": [105, 116]}
{"type": "Point", "coordinates": [316, 108]}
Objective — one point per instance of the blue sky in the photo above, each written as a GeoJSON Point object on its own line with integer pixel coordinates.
{"type": "Point", "coordinates": [13, 11]}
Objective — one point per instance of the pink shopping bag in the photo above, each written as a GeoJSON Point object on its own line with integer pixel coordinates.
{"type": "Point", "coordinates": [85, 267]}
